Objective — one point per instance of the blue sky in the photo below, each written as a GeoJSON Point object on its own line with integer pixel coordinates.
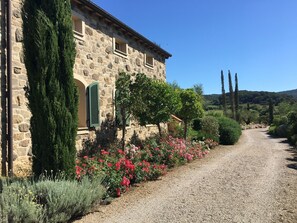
{"type": "Point", "coordinates": [257, 39]}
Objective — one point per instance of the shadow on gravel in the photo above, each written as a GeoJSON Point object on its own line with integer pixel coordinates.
{"type": "Point", "coordinates": [293, 159]}
{"type": "Point", "coordinates": [292, 166]}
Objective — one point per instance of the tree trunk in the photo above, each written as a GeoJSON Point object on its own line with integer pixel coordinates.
{"type": "Point", "coordinates": [185, 130]}
{"type": "Point", "coordinates": [160, 131]}
{"type": "Point", "coordinates": [124, 120]}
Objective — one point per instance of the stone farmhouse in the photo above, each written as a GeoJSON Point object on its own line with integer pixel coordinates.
{"type": "Point", "coordinates": [105, 47]}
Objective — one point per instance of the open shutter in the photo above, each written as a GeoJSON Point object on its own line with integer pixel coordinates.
{"type": "Point", "coordinates": [93, 105]}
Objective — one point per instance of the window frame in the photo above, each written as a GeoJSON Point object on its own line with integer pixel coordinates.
{"type": "Point", "coordinates": [78, 33]}
{"type": "Point", "coordinates": [147, 63]}
{"type": "Point", "coordinates": [121, 44]}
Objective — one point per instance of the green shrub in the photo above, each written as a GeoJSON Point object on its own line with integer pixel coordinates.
{"type": "Point", "coordinates": [293, 139]}
{"type": "Point", "coordinates": [197, 124]}
{"type": "Point", "coordinates": [215, 113]}
{"type": "Point", "coordinates": [292, 127]}
{"type": "Point", "coordinates": [17, 202]}
{"type": "Point", "coordinates": [281, 131]}
{"type": "Point", "coordinates": [229, 130]}
{"type": "Point", "coordinates": [207, 128]}
{"type": "Point", "coordinates": [271, 130]}
{"type": "Point", "coordinates": [65, 199]}
{"type": "Point", "coordinates": [210, 128]}
{"type": "Point", "coordinates": [280, 120]}
{"type": "Point", "coordinates": [48, 200]}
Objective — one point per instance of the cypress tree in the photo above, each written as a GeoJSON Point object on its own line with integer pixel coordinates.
{"type": "Point", "coordinates": [236, 95]}
{"type": "Point", "coordinates": [223, 93]}
{"type": "Point", "coordinates": [49, 53]}
{"type": "Point", "coordinates": [231, 95]}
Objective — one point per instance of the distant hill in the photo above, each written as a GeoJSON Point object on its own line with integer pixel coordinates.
{"type": "Point", "coordinates": [291, 92]}
{"type": "Point", "coordinates": [255, 97]}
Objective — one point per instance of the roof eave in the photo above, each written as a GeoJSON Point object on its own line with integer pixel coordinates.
{"type": "Point", "coordinates": [101, 12]}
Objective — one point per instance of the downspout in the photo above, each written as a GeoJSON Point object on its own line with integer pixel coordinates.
{"type": "Point", "coordinates": [9, 93]}
{"type": "Point", "coordinates": [3, 91]}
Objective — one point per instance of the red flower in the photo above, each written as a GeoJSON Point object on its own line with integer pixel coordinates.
{"type": "Point", "coordinates": [103, 152]}
{"type": "Point", "coordinates": [118, 165]}
{"type": "Point", "coordinates": [85, 157]}
{"type": "Point", "coordinates": [118, 190]}
{"type": "Point", "coordinates": [109, 164]}
{"type": "Point", "coordinates": [145, 169]}
{"type": "Point", "coordinates": [78, 170]}
{"type": "Point", "coordinates": [125, 182]}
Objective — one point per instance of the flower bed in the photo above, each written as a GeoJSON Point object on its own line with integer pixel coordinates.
{"type": "Point", "coordinates": [137, 164]}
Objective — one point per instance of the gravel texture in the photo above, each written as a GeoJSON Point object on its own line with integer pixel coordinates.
{"type": "Point", "coordinates": [253, 181]}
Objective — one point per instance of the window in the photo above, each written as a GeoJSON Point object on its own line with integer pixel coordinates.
{"type": "Point", "coordinates": [78, 26]}
{"type": "Point", "coordinates": [149, 61]}
{"type": "Point", "coordinates": [120, 47]}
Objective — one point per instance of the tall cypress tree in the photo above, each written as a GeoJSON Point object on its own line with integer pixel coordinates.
{"type": "Point", "coordinates": [231, 95]}
{"type": "Point", "coordinates": [236, 96]}
{"type": "Point", "coordinates": [223, 93]}
{"type": "Point", "coordinates": [49, 52]}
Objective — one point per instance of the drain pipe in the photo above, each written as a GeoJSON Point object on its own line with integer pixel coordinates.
{"type": "Point", "coordinates": [9, 93]}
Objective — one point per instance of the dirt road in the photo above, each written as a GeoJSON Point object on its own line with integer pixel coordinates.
{"type": "Point", "coordinates": [253, 181]}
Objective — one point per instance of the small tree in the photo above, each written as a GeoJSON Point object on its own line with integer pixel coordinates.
{"type": "Point", "coordinates": [223, 93]}
{"type": "Point", "coordinates": [191, 107]}
{"type": "Point", "coordinates": [158, 102]}
{"type": "Point", "coordinates": [174, 85]}
{"type": "Point", "coordinates": [49, 53]}
{"type": "Point", "coordinates": [123, 103]}
{"type": "Point", "coordinates": [198, 88]}
{"type": "Point", "coordinates": [231, 95]}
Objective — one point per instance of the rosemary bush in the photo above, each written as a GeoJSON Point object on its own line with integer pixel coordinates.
{"type": "Point", "coordinates": [48, 200]}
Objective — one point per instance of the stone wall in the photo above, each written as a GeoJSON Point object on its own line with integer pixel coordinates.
{"type": "Point", "coordinates": [95, 61]}
{"type": "Point", "coordinates": [21, 114]}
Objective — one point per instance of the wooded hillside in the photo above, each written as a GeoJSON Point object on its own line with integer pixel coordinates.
{"type": "Point", "coordinates": [256, 97]}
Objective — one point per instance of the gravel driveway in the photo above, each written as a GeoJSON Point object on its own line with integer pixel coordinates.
{"type": "Point", "coordinates": [253, 181]}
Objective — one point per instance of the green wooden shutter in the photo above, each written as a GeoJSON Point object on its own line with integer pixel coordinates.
{"type": "Point", "coordinates": [93, 105]}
